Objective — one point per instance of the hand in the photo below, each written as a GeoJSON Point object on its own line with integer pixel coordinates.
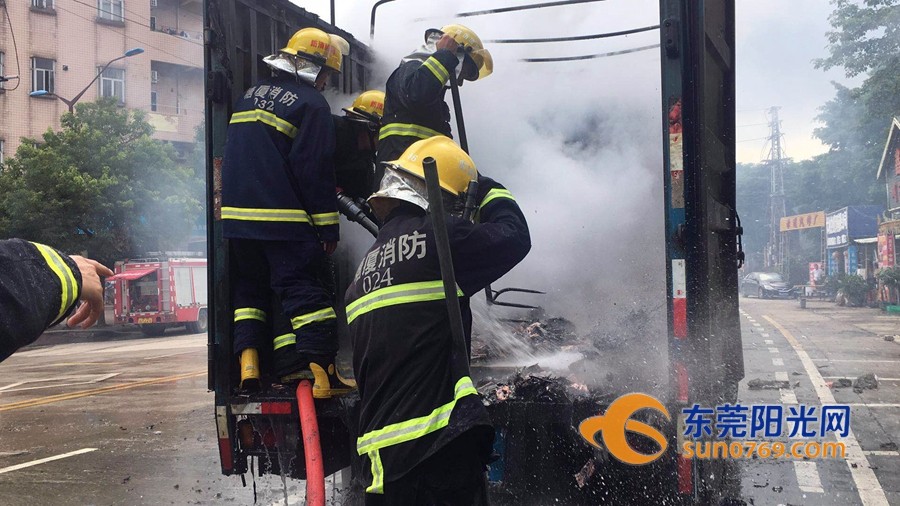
{"type": "Point", "coordinates": [447, 42]}
{"type": "Point", "coordinates": [329, 246]}
{"type": "Point", "coordinates": [91, 298]}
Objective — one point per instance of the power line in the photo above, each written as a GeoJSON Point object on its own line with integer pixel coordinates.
{"type": "Point", "coordinates": [588, 56]}
{"type": "Point", "coordinates": [12, 33]}
{"type": "Point", "coordinates": [192, 64]}
{"type": "Point", "coordinates": [573, 38]}
{"type": "Point", "coordinates": [129, 20]}
{"type": "Point", "coordinates": [523, 8]}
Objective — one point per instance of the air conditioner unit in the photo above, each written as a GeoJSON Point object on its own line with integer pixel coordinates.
{"type": "Point", "coordinates": [153, 3]}
{"type": "Point", "coordinates": [154, 76]}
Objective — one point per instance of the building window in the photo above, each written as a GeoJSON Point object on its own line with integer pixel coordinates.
{"type": "Point", "coordinates": [111, 10]}
{"type": "Point", "coordinates": [42, 4]}
{"type": "Point", "coordinates": [153, 23]}
{"type": "Point", "coordinates": [153, 103]}
{"type": "Point", "coordinates": [112, 84]}
{"type": "Point", "coordinates": [2, 150]}
{"type": "Point", "coordinates": [2, 69]}
{"type": "Point", "coordinates": [42, 74]}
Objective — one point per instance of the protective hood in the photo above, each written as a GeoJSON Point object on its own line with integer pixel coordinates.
{"type": "Point", "coordinates": [398, 184]}
{"type": "Point", "coordinates": [428, 49]}
{"type": "Point", "coordinates": [304, 69]}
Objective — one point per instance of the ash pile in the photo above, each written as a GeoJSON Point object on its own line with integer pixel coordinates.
{"type": "Point", "coordinates": [539, 378]}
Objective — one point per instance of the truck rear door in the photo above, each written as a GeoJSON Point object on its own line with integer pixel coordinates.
{"type": "Point", "coordinates": [698, 93]}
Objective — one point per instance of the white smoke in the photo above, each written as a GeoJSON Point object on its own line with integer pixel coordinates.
{"type": "Point", "coordinates": [578, 143]}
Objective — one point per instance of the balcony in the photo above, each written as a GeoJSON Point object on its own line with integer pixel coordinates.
{"type": "Point", "coordinates": [175, 48]}
{"type": "Point", "coordinates": [175, 127]}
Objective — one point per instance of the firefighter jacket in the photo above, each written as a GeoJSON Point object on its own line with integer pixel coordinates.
{"type": "Point", "coordinates": [38, 288]}
{"type": "Point", "coordinates": [416, 394]}
{"type": "Point", "coordinates": [354, 157]}
{"type": "Point", "coordinates": [414, 106]}
{"type": "Point", "coordinates": [278, 173]}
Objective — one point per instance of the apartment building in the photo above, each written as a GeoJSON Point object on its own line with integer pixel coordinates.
{"type": "Point", "coordinates": [60, 46]}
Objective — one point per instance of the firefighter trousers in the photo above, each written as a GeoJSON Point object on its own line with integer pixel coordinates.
{"type": "Point", "coordinates": [296, 273]}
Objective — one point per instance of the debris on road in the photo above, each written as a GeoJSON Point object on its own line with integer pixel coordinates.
{"type": "Point", "coordinates": [761, 384]}
{"type": "Point", "coordinates": [865, 382]}
{"type": "Point", "coordinates": [890, 446]}
{"type": "Point", "coordinates": [843, 382]}
{"type": "Point", "coordinates": [890, 338]}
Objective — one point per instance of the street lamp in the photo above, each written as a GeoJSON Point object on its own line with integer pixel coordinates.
{"type": "Point", "coordinates": [71, 103]}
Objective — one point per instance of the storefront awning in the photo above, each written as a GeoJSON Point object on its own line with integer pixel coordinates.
{"type": "Point", "coordinates": [866, 240]}
{"type": "Point", "coordinates": [132, 275]}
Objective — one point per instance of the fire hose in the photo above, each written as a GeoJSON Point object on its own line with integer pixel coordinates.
{"type": "Point", "coordinates": [312, 447]}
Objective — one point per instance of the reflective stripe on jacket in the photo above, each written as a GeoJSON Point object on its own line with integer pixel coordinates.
{"type": "Point", "coordinates": [39, 286]}
{"type": "Point", "coordinates": [415, 391]}
{"type": "Point", "coordinates": [278, 171]}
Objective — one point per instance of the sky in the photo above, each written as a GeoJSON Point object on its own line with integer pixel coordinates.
{"type": "Point", "coordinates": [776, 44]}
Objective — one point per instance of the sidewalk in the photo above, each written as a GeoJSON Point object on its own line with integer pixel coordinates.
{"type": "Point", "coordinates": [873, 321]}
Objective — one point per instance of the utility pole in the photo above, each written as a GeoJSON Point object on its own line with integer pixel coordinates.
{"type": "Point", "coordinates": [776, 247]}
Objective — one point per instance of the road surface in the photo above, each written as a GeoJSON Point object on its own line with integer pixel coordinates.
{"type": "Point", "coordinates": [126, 420]}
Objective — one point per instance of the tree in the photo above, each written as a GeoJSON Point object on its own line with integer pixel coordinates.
{"type": "Point", "coordinates": [100, 185]}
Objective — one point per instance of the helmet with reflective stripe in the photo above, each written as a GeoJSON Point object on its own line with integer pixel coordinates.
{"type": "Point", "coordinates": [310, 43]}
{"type": "Point", "coordinates": [369, 104]}
{"type": "Point", "coordinates": [338, 48]}
{"type": "Point", "coordinates": [471, 44]}
{"type": "Point", "coordinates": [455, 167]}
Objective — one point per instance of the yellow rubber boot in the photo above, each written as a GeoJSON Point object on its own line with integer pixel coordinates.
{"type": "Point", "coordinates": [250, 369]}
{"type": "Point", "coordinates": [328, 382]}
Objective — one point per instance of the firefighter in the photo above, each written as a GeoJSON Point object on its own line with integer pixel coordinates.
{"type": "Point", "coordinates": [423, 427]}
{"type": "Point", "coordinates": [39, 287]}
{"type": "Point", "coordinates": [280, 211]}
{"type": "Point", "coordinates": [414, 106]}
{"type": "Point", "coordinates": [357, 135]}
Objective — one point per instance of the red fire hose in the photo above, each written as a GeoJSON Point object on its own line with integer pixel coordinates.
{"type": "Point", "coordinates": [312, 448]}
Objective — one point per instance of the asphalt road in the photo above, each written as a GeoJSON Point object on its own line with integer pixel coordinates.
{"type": "Point", "coordinates": [122, 419]}
{"type": "Point", "coordinates": [127, 420]}
{"type": "Point", "coordinates": [812, 349]}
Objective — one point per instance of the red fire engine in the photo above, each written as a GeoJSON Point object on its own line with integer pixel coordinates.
{"type": "Point", "coordinates": [166, 290]}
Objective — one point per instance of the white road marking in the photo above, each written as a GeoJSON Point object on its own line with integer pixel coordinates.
{"type": "Point", "coordinates": [854, 360]}
{"type": "Point", "coordinates": [851, 376]}
{"type": "Point", "coordinates": [757, 324]}
{"type": "Point", "coordinates": [808, 477]}
{"type": "Point", "coordinates": [11, 385]}
{"type": "Point", "coordinates": [45, 460]}
{"type": "Point", "coordinates": [882, 453]}
{"type": "Point", "coordinates": [867, 485]}
{"type": "Point", "coordinates": [781, 376]}
{"type": "Point", "coordinates": [769, 341]}
{"type": "Point", "coordinates": [88, 379]}
{"type": "Point", "coordinates": [778, 361]}
{"type": "Point", "coordinates": [773, 350]}
{"type": "Point", "coordinates": [788, 397]}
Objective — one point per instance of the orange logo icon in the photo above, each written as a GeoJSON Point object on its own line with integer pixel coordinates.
{"type": "Point", "coordinates": [617, 420]}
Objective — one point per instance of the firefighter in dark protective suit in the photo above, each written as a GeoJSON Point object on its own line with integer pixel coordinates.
{"type": "Point", "coordinates": [414, 106]}
{"type": "Point", "coordinates": [357, 135]}
{"type": "Point", "coordinates": [39, 287]}
{"type": "Point", "coordinates": [423, 428]}
{"type": "Point", "coordinates": [280, 211]}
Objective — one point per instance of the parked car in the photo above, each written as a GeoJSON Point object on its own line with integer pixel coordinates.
{"type": "Point", "coordinates": [765, 285]}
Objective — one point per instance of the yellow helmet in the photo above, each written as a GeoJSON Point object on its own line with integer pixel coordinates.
{"type": "Point", "coordinates": [338, 48]}
{"type": "Point", "coordinates": [369, 104]}
{"type": "Point", "coordinates": [455, 167]}
{"type": "Point", "coordinates": [471, 44]}
{"type": "Point", "coordinates": [310, 43]}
